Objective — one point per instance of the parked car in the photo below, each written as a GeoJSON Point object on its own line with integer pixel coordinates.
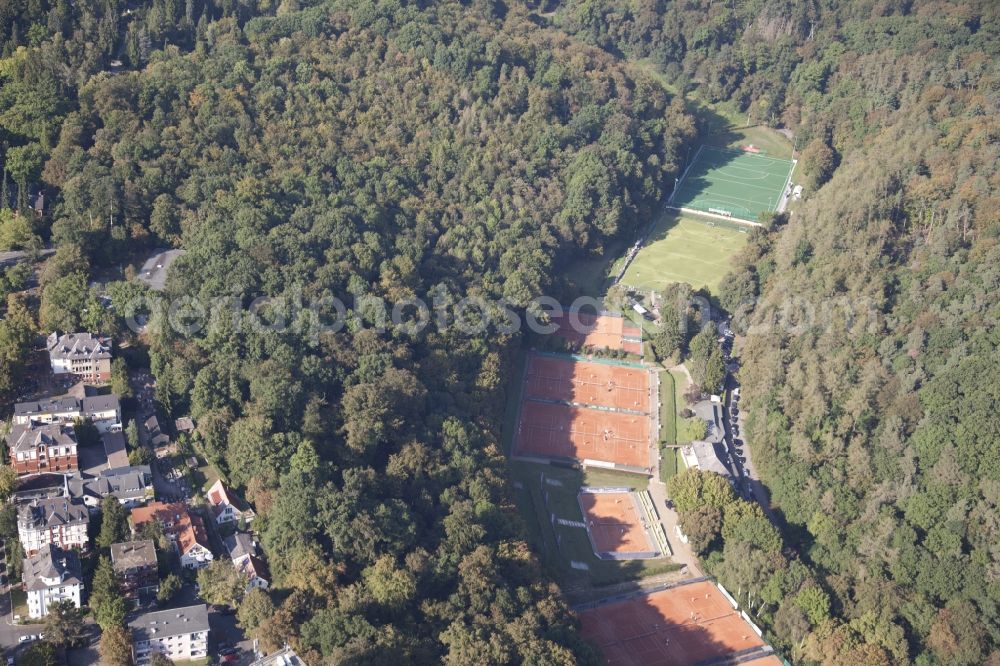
{"type": "Point", "coordinates": [225, 652]}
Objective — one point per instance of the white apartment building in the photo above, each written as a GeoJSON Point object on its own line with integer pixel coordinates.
{"type": "Point", "coordinates": [80, 354]}
{"type": "Point", "coordinates": [52, 575]}
{"type": "Point", "coordinates": [180, 634]}
{"type": "Point", "coordinates": [56, 520]}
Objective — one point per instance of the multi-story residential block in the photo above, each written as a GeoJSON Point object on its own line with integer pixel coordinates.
{"type": "Point", "coordinates": [186, 531]}
{"type": "Point", "coordinates": [104, 411]}
{"type": "Point", "coordinates": [35, 449]}
{"type": "Point", "coordinates": [53, 574]}
{"type": "Point", "coordinates": [81, 354]}
{"type": "Point", "coordinates": [56, 520]}
{"type": "Point", "coordinates": [180, 634]}
{"type": "Point", "coordinates": [135, 565]}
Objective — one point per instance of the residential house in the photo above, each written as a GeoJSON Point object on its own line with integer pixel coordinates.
{"type": "Point", "coordinates": [56, 520]}
{"type": "Point", "coordinates": [104, 411]}
{"type": "Point", "coordinates": [283, 657]}
{"type": "Point", "coordinates": [159, 440]}
{"type": "Point", "coordinates": [184, 425]}
{"type": "Point", "coordinates": [185, 530]}
{"type": "Point", "coordinates": [51, 575]}
{"type": "Point", "coordinates": [244, 555]}
{"type": "Point", "coordinates": [256, 572]}
{"type": "Point", "coordinates": [226, 506]}
{"type": "Point", "coordinates": [35, 449]}
{"type": "Point", "coordinates": [131, 486]}
{"type": "Point", "coordinates": [135, 565]}
{"type": "Point", "coordinates": [180, 634]}
{"type": "Point", "coordinates": [115, 449]}
{"type": "Point", "coordinates": [40, 486]}
{"type": "Point", "coordinates": [239, 546]}
{"type": "Point", "coordinates": [81, 354]}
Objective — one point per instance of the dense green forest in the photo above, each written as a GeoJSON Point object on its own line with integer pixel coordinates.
{"type": "Point", "coordinates": [871, 358]}
{"type": "Point", "coordinates": [393, 149]}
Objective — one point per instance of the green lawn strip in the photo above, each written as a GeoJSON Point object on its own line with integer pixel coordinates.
{"type": "Point", "coordinates": [669, 464]}
{"type": "Point", "coordinates": [668, 409]}
{"type": "Point", "coordinates": [680, 385]}
{"type": "Point", "coordinates": [610, 479]}
{"type": "Point", "coordinates": [513, 405]}
{"type": "Point", "coordinates": [19, 602]}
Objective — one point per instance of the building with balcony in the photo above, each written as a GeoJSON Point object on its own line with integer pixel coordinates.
{"type": "Point", "coordinates": [180, 634]}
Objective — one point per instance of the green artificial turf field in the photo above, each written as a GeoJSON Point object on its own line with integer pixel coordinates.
{"type": "Point", "coordinates": [743, 184]}
{"type": "Point", "coordinates": [682, 249]}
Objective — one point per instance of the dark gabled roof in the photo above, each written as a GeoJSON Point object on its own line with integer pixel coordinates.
{"type": "Point", "coordinates": [62, 403]}
{"type": "Point", "coordinates": [127, 483]}
{"type": "Point", "coordinates": [100, 403]}
{"type": "Point", "coordinates": [27, 437]}
{"type": "Point", "coordinates": [78, 346]}
{"type": "Point", "coordinates": [52, 562]}
{"type": "Point", "coordinates": [52, 512]}
{"type": "Point", "coordinates": [239, 544]}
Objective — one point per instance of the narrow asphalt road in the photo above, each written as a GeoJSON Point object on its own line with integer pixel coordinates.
{"type": "Point", "coordinates": [682, 553]}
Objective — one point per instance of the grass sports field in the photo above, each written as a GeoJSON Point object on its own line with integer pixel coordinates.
{"type": "Point", "coordinates": [682, 249]}
{"type": "Point", "coordinates": [734, 181]}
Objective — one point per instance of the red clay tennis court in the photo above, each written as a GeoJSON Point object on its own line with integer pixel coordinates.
{"type": "Point", "coordinates": [615, 523]}
{"type": "Point", "coordinates": [678, 626]}
{"type": "Point", "coordinates": [561, 431]}
{"type": "Point", "coordinates": [588, 383]}
{"type": "Point", "coordinates": [605, 331]}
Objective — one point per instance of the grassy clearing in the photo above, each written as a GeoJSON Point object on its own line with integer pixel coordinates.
{"type": "Point", "coordinates": [725, 124]}
{"type": "Point", "coordinates": [19, 602]}
{"type": "Point", "coordinates": [682, 249]}
{"type": "Point", "coordinates": [592, 276]}
{"type": "Point", "coordinates": [768, 140]}
{"type": "Point", "coordinates": [573, 543]}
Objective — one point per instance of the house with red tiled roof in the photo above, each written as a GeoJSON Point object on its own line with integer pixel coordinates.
{"type": "Point", "coordinates": [226, 507]}
{"type": "Point", "coordinates": [186, 531]}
